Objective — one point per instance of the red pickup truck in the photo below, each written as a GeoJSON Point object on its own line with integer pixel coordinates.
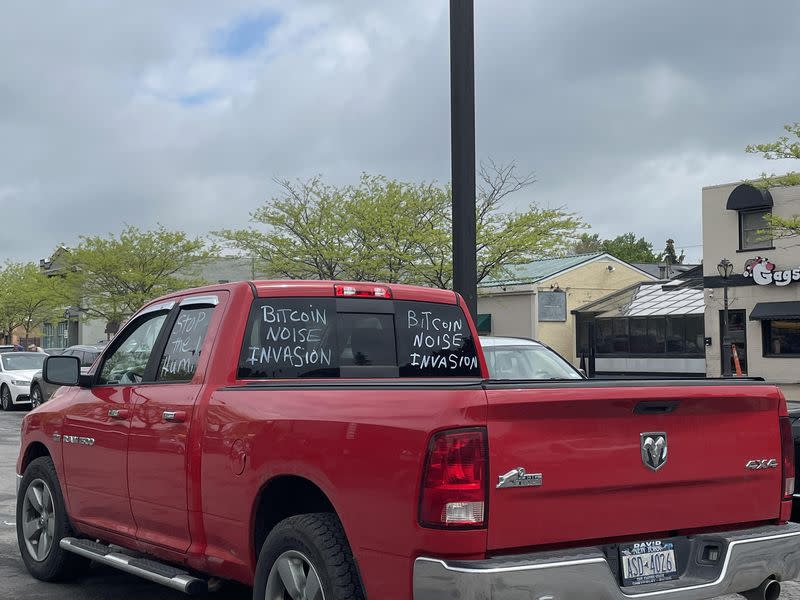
{"type": "Point", "coordinates": [331, 441]}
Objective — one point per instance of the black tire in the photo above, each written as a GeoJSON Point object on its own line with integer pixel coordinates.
{"type": "Point", "coordinates": [5, 399]}
{"type": "Point", "coordinates": [319, 537]}
{"type": "Point", "coordinates": [36, 396]}
{"type": "Point", "coordinates": [58, 565]}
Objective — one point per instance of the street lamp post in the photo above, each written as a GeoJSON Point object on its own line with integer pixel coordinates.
{"type": "Point", "coordinates": [725, 269]}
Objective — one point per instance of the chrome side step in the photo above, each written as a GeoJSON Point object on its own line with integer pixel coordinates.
{"type": "Point", "coordinates": [145, 568]}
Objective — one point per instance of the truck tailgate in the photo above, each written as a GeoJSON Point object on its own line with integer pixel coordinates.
{"type": "Point", "coordinates": [586, 441]}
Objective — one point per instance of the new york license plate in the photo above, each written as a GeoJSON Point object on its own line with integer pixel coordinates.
{"type": "Point", "coordinates": [648, 562]}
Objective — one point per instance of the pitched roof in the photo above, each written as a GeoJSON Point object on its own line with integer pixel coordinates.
{"type": "Point", "coordinates": [545, 268]}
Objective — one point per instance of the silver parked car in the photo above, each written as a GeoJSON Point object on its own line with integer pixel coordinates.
{"type": "Point", "coordinates": [523, 358]}
{"type": "Point", "coordinates": [41, 391]}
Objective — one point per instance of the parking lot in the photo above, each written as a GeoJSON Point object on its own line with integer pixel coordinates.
{"type": "Point", "coordinates": [102, 583]}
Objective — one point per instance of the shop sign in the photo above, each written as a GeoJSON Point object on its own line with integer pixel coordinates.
{"type": "Point", "coordinates": [764, 272]}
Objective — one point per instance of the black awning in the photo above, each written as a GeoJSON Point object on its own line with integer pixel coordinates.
{"type": "Point", "coordinates": [765, 311]}
{"type": "Point", "coordinates": [746, 196]}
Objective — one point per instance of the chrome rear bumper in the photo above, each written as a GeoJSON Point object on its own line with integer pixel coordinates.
{"type": "Point", "coordinates": [751, 556]}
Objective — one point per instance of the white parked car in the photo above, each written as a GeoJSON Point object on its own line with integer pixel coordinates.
{"type": "Point", "coordinates": [523, 358]}
{"type": "Point", "coordinates": [16, 372]}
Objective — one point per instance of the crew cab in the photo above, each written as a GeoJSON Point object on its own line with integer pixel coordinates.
{"type": "Point", "coordinates": [332, 440]}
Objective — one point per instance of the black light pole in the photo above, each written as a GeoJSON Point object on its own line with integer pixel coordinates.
{"type": "Point", "coordinates": [462, 140]}
{"type": "Point", "coordinates": [725, 269]}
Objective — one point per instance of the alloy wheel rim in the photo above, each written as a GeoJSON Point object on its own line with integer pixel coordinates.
{"type": "Point", "coordinates": [6, 399]}
{"type": "Point", "coordinates": [293, 577]}
{"type": "Point", "coordinates": [36, 397]}
{"type": "Point", "coordinates": [38, 520]}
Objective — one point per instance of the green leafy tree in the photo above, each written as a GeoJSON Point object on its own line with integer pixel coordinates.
{"type": "Point", "coordinates": [306, 232]}
{"type": "Point", "coordinates": [630, 249]}
{"type": "Point", "coordinates": [785, 147]}
{"type": "Point", "coordinates": [669, 256]}
{"type": "Point", "coordinates": [626, 247]}
{"type": "Point", "coordinates": [28, 298]}
{"type": "Point", "coordinates": [388, 230]}
{"type": "Point", "coordinates": [588, 243]}
{"type": "Point", "coordinates": [115, 275]}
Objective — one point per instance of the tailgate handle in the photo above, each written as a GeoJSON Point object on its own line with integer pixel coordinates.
{"type": "Point", "coordinates": [655, 407]}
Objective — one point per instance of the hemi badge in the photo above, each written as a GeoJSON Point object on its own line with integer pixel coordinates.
{"type": "Point", "coordinates": [519, 478]}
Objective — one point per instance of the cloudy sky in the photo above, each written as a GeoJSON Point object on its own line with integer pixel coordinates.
{"type": "Point", "coordinates": [182, 112]}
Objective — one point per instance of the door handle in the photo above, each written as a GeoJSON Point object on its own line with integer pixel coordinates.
{"type": "Point", "coordinates": [174, 416]}
{"type": "Point", "coordinates": [118, 413]}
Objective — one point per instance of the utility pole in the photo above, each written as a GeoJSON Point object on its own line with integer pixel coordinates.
{"type": "Point", "coordinates": [462, 140]}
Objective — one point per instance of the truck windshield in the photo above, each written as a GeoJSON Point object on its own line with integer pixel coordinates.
{"type": "Point", "coordinates": [356, 338]}
{"type": "Point", "coordinates": [23, 361]}
{"type": "Point", "coordinates": [527, 362]}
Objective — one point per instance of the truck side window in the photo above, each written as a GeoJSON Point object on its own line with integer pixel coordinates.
{"type": "Point", "coordinates": [179, 361]}
{"type": "Point", "coordinates": [127, 363]}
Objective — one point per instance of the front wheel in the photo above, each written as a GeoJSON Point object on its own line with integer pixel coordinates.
{"type": "Point", "coordinates": [5, 399]}
{"type": "Point", "coordinates": [36, 396]}
{"type": "Point", "coordinates": [307, 557]}
{"type": "Point", "coordinates": [42, 523]}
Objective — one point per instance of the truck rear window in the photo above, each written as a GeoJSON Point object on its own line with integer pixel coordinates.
{"type": "Point", "coordinates": [356, 338]}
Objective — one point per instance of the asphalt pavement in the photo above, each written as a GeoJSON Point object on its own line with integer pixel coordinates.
{"type": "Point", "coordinates": [102, 583]}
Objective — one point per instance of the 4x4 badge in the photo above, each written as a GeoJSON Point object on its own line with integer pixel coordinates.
{"type": "Point", "coordinates": [654, 449]}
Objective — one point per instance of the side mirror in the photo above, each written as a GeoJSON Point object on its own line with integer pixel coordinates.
{"type": "Point", "coordinates": [62, 370]}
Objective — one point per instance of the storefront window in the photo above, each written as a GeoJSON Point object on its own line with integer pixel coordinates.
{"type": "Point", "coordinates": [638, 329]}
{"type": "Point", "coordinates": [646, 336]}
{"type": "Point", "coordinates": [656, 335]}
{"type": "Point", "coordinates": [781, 338]}
{"type": "Point", "coordinates": [695, 334]}
{"type": "Point", "coordinates": [621, 343]}
{"type": "Point", "coordinates": [676, 327]}
{"type": "Point", "coordinates": [605, 336]}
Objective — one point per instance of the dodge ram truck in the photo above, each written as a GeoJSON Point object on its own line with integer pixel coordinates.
{"type": "Point", "coordinates": [338, 441]}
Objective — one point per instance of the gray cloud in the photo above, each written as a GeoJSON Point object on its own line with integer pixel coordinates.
{"type": "Point", "coordinates": [623, 110]}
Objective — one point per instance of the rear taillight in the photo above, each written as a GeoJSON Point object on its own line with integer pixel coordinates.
{"type": "Point", "coordinates": [454, 482]}
{"type": "Point", "coordinates": [787, 449]}
{"type": "Point", "coordinates": [362, 290]}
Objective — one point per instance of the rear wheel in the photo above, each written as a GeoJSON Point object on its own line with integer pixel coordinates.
{"type": "Point", "coordinates": [307, 557]}
{"type": "Point", "coordinates": [36, 396]}
{"type": "Point", "coordinates": [42, 523]}
{"type": "Point", "coordinates": [5, 398]}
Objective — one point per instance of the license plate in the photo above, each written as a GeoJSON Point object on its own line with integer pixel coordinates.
{"type": "Point", "coordinates": [648, 562]}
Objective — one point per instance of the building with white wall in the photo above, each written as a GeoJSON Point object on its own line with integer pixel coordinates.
{"type": "Point", "coordinates": [764, 289]}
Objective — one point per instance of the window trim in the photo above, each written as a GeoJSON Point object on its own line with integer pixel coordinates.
{"type": "Point", "coordinates": [768, 244]}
